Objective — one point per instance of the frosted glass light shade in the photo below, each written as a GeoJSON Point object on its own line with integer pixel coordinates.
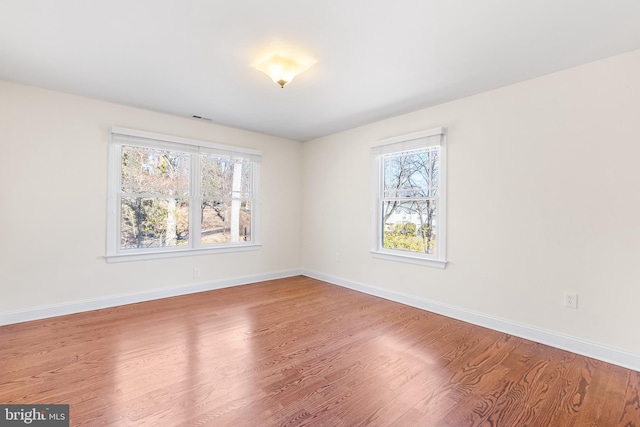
{"type": "Point", "coordinates": [281, 70]}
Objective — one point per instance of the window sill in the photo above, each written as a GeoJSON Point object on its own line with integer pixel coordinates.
{"type": "Point", "coordinates": [409, 259]}
{"type": "Point", "coordinates": [176, 253]}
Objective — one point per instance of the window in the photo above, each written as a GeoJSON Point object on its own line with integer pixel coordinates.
{"type": "Point", "coordinates": [171, 196]}
{"type": "Point", "coordinates": [409, 198]}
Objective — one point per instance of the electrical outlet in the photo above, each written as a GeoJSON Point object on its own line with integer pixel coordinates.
{"type": "Point", "coordinates": [196, 273]}
{"type": "Point", "coordinates": [571, 299]}
{"type": "Point", "coordinates": [338, 257]}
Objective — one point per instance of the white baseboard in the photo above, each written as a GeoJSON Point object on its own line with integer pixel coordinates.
{"type": "Point", "coordinates": [551, 338]}
{"type": "Point", "coordinates": [43, 312]}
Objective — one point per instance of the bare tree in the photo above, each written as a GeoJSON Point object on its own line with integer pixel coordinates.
{"type": "Point", "coordinates": [411, 185]}
{"type": "Point", "coordinates": [154, 182]}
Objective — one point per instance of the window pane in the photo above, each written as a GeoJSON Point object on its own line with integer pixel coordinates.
{"type": "Point", "coordinates": [154, 223]}
{"type": "Point", "coordinates": [225, 221]}
{"type": "Point", "coordinates": [224, 176]}
{"type": "Point", "coordinates": [150, 171]}
{"type": "Point", "coordinates": [410, 226]}
{"type": "Point", "coordinates": [244, 221]}
{"type": "Point", "coordinates": [412, 173]}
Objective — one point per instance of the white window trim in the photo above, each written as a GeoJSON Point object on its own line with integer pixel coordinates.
{"type": "Point", "coordinates": [399, 143]}
{"type": "Point", "coordinates": [114, 254]}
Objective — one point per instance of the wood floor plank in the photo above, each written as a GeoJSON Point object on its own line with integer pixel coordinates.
{"type": "Point", "coordinates": [631, 412]}
{"type": "Point", "coordinates": [300, 352]}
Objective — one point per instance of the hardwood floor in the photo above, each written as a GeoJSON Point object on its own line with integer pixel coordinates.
{"type": "Point", "coordinates": [297, 352]}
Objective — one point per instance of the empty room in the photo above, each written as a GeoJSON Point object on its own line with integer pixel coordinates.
{"type": "Point", "coordinates": [290, 213]}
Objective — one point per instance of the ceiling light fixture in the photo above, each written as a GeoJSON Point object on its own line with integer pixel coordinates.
{"type": "Point", "coordinates": [281, 69]}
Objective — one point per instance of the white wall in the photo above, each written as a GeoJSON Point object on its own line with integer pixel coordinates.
{"type": "Point", "coordinates": [543, 197]}
{"type": "Point", "coordinates": [53, 175]}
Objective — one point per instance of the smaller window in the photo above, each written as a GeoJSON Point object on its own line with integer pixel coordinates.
{"type": "Point", "coordinates": [409, 198]}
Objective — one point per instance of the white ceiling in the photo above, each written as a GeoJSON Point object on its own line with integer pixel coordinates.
{"type": "Point", "coordinates": [375, 59]}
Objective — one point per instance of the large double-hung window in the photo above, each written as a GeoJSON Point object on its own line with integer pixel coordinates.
{"type": "Point", "coordinates": [409, 198]}
{"type": "Point", "coordinates": [171, 196]}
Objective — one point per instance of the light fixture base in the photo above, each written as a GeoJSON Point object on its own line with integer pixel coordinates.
{"type": "Point", "coordinates": [282, 83]}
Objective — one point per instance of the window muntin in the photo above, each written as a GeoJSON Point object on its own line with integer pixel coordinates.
{"type": "Point", "coordinates": [171, 194]}
{"type": "Point", "coordinates": [409, 197]}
